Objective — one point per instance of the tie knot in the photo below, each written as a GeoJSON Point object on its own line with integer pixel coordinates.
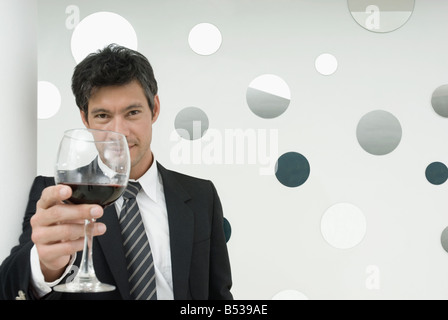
{"type": "Point", "coordinates": [132, 190]}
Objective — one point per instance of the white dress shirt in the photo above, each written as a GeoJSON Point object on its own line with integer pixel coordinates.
{"type": "Point", "coordinates": [151, 201]}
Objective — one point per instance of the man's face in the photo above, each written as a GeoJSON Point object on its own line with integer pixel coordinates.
{"type": "Point", "coordinates": [124, 109]}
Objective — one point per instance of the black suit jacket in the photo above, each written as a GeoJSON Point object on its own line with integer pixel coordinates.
{"type": "Point", "coordinates": [200, 263]}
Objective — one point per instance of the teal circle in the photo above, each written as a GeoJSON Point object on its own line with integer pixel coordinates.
{"type": "Point", "coordinates": [292, 169]}
{"type": "Point", "coordinates": [227, 229]}
{"type": "Point", "coordinates": [436, 173]}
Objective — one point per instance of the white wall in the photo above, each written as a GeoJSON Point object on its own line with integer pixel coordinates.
{"type": "Point", "coordinates": [18, 105]}
{"type": "Point", "coordinates": [277, 243]}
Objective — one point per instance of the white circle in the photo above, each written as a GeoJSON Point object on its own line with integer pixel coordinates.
{"type": "Point", "coordinates": [343, 226]}
{"type": "Point", "coordinates": [326, 64]}
{"type": "Point", "coordinates": [290, 295]}
{"type": "Point", "coordinates": [100, 29]}
{"type": "Point", "coordinates": [272, 84]}
{"type": "Point", "coordinates": [268, 96]}
{"type": "Point", "coordinates": [48, 100]}
{"type": "Point", "coordinates": [205, 39]}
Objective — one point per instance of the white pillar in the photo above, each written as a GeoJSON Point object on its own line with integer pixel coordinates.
{"type": "Point", "coordinates": [18, 114]}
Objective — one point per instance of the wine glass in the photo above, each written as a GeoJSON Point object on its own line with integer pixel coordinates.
{"type": "Point", "coordinates": [95, 164]}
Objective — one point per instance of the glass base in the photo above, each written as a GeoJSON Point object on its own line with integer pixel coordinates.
{"type": "Point", "coordinates": [80, 285]}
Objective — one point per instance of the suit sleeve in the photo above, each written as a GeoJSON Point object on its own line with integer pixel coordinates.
{"type": "Point", "coordinates": [220, 272]}
{"type": "Point", "coordinates": [15, 271]}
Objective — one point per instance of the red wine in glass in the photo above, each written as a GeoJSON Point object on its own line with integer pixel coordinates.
{"type": "Point", "coordinates": [102, 194]}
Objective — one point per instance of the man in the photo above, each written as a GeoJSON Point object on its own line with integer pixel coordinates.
{"type": "Point", "coordinates": [115, 90]}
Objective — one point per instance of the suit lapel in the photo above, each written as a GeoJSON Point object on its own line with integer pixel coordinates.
{"type": "Point", "coordinates": [112, 247]}
{"type": "Point", "coordinates": [181, 224]}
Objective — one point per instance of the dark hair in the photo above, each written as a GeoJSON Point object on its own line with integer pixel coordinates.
{"type": "Point", "coordinates": [113, 65]}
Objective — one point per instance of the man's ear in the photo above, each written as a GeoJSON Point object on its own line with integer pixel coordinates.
{"type": "Point", "coordinates": [84, 119]}
{"type": "Point", "coordinates": [156, 111]}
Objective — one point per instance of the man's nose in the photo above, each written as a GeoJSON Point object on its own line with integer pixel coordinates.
{"type": "Point", "coordinates": [120, 126]}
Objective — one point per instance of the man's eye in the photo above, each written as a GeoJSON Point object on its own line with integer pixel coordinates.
{"type": "Point", "coordinates": [133, 112]}
{"type": "Point", "coordinates": [101, 116]}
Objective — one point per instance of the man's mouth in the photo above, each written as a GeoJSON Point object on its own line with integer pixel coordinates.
{"type": "Point", "coordinates": [131, 145]}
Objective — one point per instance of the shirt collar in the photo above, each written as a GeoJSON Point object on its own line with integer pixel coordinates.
{"type": "Point", "coordinates": [149, 181]}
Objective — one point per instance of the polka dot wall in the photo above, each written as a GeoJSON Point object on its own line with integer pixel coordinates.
{"type": "Point", "coordinates": [323, 125]}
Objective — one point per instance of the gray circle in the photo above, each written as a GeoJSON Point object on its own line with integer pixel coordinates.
{"type": "Point", "coordinates": [439, 101]}
{"type": "Point", "coordinates": [444, 239]}
{"type": "Point", "coordinates": [381, 15]}
{"type": "Point", "coordinates": [292, 169]}
{"type": "Point", "coordinates": [191, 123]}
{"type": "Point", "coordinates": [379, 132]}
{"type": "Point", "coordinates": [268, 96]}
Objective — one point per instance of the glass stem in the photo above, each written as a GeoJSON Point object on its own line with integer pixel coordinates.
{"type": "Point", "coordinates": [86, 271]}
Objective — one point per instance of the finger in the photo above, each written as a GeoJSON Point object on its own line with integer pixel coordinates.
{"type": "Point", "coordinates": [64, 232]}
{"type": "Point", "coordinates": [63, 213]}
{"type": "Point", "coordinates": [54, 195]}
{"type": "Point", "coordinates": [99, 229]}
{"type": "Point", "coordinates": [57, 233]}
{"type": "Point", "coordinates": [55, 255]}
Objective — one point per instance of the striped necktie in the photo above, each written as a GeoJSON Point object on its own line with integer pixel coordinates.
{"type": "Point", "coordinates": [138, 253]}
